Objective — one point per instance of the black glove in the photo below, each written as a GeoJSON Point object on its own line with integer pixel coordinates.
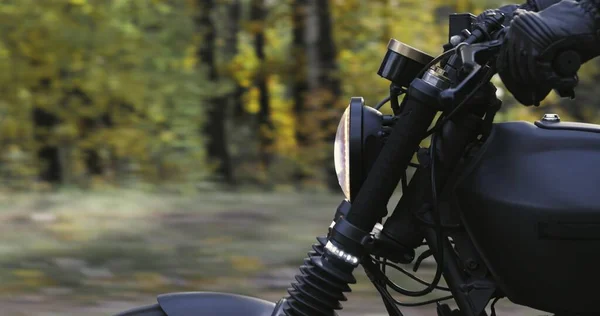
{"type": "Point", "coordinates": [508, 10]}
{"type": "Point", "coordinates": [525, 60]}
{"type": "Point", "coordinates": [537, 5]}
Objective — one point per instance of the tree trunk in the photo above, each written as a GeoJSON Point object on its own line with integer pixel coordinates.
{"type": "Point", "coordinates": [327, 52]}
{"type": "Point", "coordinates": [300, 79]}
{"type": "Point", "coordinates": [257, 16]}
{"type": "Point", "coordinates": [231, 47]}
{"type": "Point", "coordinates": [65, 160]}
{"type": "Point", "coordinates": [48, 155]}
{"type": "Point", "coordinates": [324, 83]}
{"type": "Point", "coordinates": [214, 127]}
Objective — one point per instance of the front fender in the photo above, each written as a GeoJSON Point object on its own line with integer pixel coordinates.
{"type": "Point", "coordinates": [213, 304]}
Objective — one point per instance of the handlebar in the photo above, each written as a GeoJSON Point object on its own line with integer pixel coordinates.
{"type": "Point", "coordinates": [564, 63]}
{"type": "Point", "coordinates": [560, 68]}
{"type": "Point", "coordinates": [567, 63]}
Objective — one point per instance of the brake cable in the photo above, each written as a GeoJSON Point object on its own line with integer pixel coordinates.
{"type": "Point", "coordinates": [408, 274]}
{"type": "Point", "coordinates": [383, 102]}
{"type": "Point", "coordinates": [389, 301]}
{"type": "Point", "coordinates": [493, 306]}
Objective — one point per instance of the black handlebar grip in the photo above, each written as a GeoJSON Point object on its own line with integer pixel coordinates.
{"type": "Point", "coordinates": [567, 63]}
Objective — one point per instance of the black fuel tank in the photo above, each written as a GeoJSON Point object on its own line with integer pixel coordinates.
{"type": "Point", "coordinates": [530, 200]}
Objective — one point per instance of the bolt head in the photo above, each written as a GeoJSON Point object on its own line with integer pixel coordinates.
{"type": "Point", "coordinates": [551, 118]}
{"type": "Point", "coordinates": [472, 264]}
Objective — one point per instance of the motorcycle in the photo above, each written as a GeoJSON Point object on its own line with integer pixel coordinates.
{"type": "Point", "coordinates": [507, 210]}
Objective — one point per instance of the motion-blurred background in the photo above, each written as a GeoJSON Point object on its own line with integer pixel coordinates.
{"type": "Point", "coordinates": [149, 146]}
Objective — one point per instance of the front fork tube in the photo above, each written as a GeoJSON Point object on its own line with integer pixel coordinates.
{"type": "Point", "coordinates": [403, 226]}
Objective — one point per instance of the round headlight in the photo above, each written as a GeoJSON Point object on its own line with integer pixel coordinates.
{"type": "Point", "coordinates": [341, 153]}
{"type": "Point", "coordinates": [357, 144]}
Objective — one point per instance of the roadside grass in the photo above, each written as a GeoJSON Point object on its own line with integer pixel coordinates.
{"type": "Point", "coordinates": [123, 244]}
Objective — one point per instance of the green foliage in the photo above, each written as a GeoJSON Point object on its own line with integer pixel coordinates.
{"type": "Point", "coordinates": [119, 76]}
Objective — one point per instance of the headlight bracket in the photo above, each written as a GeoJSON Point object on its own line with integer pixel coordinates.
{"type": "Point", "coordinates": [368, 130]}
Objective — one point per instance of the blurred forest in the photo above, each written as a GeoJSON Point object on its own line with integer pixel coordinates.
{"type": "Point", "coordinates": [235, 92]}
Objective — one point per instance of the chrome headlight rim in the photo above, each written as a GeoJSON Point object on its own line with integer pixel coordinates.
{"type": "Point", "coordinates": [356, 129]}
{"type": "Point", "coordinates": [341, 153]}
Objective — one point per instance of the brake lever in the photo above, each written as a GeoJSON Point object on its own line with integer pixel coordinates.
{"type": "Point", "coordinates": [478, 54]}
{"type": "Point", "coordinates": [474, 57]}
